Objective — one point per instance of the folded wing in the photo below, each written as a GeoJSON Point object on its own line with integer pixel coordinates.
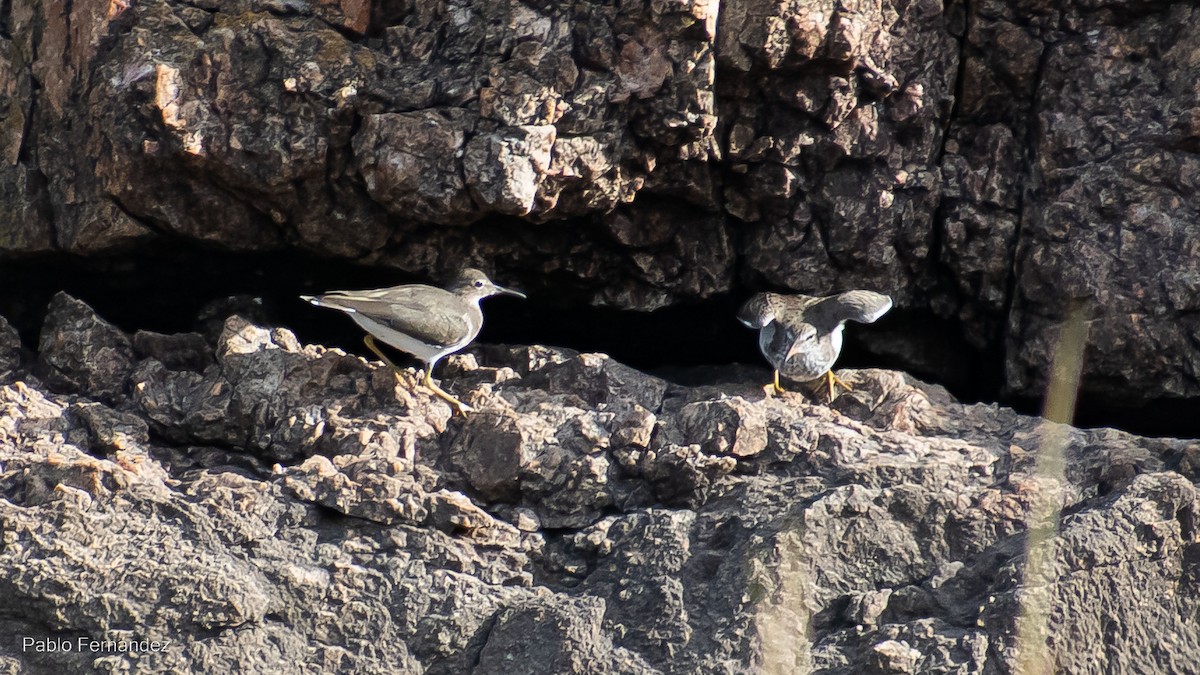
{"type": "Point", "coordinates": [412, 310]}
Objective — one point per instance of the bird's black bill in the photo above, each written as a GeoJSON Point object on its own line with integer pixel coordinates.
{"type": "Point", "coordinates": [509, 291]}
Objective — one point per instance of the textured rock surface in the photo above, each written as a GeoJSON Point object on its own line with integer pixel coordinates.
{"type": "Point", "coordinates": [10, 351]}
{"type": "Point", "coordinates": [1108, 217]}
{"type": "Point", "coordinates": [288, 508]}
{"type": "Point", "coordinates": [985, 162]}
{"type": "Point", "coordinates": [80, 352]}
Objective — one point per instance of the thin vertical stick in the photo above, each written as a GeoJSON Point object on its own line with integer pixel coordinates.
{"type": "Point", "coordinates": [1037, 588]}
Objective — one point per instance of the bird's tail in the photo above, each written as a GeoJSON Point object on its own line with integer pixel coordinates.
{"type": "Point", "coordinates": [322, 301]}
{"type": "Point", "coordinates": [328, 301]}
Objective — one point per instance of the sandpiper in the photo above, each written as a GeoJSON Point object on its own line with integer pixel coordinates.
{"type": "Point", "coordinates": [801, 335]}
{"type": "Point", "coordinates": [425, 321]}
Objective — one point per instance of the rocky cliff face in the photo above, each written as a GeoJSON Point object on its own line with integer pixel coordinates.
{"type": "Point", "coordinates": [261, 503]}
{"type": "Point", "coordinates": [985, 162]}
{"type": "Point", "coordinates": [267, 506]}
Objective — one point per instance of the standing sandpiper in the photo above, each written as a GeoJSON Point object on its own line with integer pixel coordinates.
{"type": "Point", "coordinates": [425, 321]}
{"type": "Point", "coordinates": [801, 335]}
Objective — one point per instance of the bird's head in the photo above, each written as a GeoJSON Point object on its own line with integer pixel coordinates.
{"type": "Point", "coordinates": [806, 336]}
{"type": "Point", "coordinates": [472, 283]}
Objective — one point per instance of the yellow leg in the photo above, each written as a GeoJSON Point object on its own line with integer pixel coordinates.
{"type": "Point", "coordinates": [459, 406]}
{"type": "Point", "coordinates": [427, 379]}
{"type": "Point", "coordinates": [775, 385]}
{"type": "Point", "coordinates": [834, 379]}
{"type": "Point", "coordinates": [369, 340]}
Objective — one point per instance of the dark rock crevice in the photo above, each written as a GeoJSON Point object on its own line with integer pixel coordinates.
{"type": "Point", "coordinates": [166, 290]}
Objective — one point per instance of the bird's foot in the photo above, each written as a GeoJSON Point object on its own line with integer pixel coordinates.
{"type": "Point", "coordinates": [459, 407]}
{"type": "Point", "coordinates": [776, 387]}
{"type": "Point", "coordinates": [833, 380]}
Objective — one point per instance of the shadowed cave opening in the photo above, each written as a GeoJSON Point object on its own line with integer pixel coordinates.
{"type": "Point", "coordinates": [164, 288]}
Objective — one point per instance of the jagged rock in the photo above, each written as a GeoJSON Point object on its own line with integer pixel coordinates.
{"type": "Point", "coordinates": [10, 351]}
{"type": "Point", "coordinates": [264, 392]}
{"type": "Point", "coordinates": [725, 427]}
{"type": "Point", "coordinates": [516, 122]}
{"type": "Point", "coordinates": [565, 637]}
{"type": "Point", "coordinates": [80, 352]}
{"type": "Point", "coordinates": [631, 526]}
{"type": "Point", "coordinates": [379, 491]}
{"type": "Point", "coordinates": [182, 351]}
{"type": "Point", "coordinates": [493, 450]}
{"type": "Point", "coordinates": [111, 431]}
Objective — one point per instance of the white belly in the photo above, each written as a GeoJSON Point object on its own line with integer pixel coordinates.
{"type": "Point", "coordinates": [428, 354]}
{"type": "Point", "coordinates": [805, 364]}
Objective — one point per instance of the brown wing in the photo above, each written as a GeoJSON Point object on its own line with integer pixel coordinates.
{"type": "Point", "coordinates": [428, 314]}
{"type": "Point", "coordinates": [860, 306]}
{"type": "Point", "coordinates": [764, 308]}
{"type": "Point", "coordinates": [758, 311]}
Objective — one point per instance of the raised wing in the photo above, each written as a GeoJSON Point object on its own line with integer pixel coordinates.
{"type": "Point", "coordinates": [758, 311]}
{"type": "Point", "coordinates": [860, 306]}
{"type": "Point", "coordinates": [431, 315]}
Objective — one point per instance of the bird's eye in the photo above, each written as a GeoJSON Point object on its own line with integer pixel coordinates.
{"type": "Point", "coordinates": [478, 283]}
